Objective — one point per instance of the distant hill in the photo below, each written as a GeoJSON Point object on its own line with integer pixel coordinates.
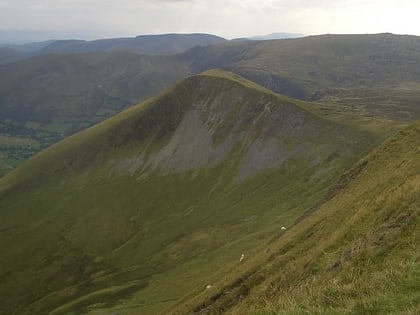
{"type": "Point", "coordinates": [24, 37]}
{"type": "Point", "coordinates": [30, 48]}
{"type": "Point", "coordinates": [12, 53]}
{"type": "Point", "coordinates": [308, 67]}
{"type": "Point", "coordinates": [366, 75]}
{"type": "Point", "coordinates": [160, 200]}
{"type": "Point", "coordinates": [165, 44]}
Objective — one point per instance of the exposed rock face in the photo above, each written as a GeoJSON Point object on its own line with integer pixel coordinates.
{"type": "Point", "coordinates": [191, 147]}
{"type": "Point", "coordinates": [265, 129]}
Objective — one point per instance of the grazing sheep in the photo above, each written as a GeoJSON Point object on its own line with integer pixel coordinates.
{"type": "Point", "coordinates": [242, 257]}
{"type": "Point", "coordinates": [208, 287]}
{"type": "Point", "coordinates": [283, 228]}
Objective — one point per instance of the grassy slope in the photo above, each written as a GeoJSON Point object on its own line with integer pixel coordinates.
{"type": "Point", "coordinates": [90, 237]}
{"type": "Point", "coordinates": [356, 254]}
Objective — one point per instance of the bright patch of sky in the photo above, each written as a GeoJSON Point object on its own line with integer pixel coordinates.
{"type": "Point", "coordinates": [227, 18]}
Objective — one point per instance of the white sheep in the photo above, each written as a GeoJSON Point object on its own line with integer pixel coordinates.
{"type": "Point", "coordinates": [283, 228]}
{"type": "Point", "coordinates": [242, 257]}
{"type": "Point", "coordinates": [208, 287]}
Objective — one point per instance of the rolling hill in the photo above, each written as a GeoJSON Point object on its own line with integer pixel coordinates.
{"type": "Point", "coordinates": [164, 44]}
{"type": "Point", "coordinates": [370, 76]}
{"type": "Point", "coordinates": [136, 213]}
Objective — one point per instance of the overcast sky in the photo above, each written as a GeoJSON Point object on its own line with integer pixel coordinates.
{"type": "Point", "coordinates": [227, 18]}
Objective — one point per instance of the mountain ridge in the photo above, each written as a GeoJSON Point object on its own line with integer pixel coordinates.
{"type": "Point", "coordinates": [374, 77]}
{"type": "Point", "coordinates": [163, 44]}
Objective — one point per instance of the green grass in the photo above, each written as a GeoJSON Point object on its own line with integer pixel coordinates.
{"type": "Point", "coordinates": [85, 233]}
{"type": "Point", "coordinates": [14, 150]}
{"type": "Point", "coordinates": [394, 103]}
{"type": "Point", "coordinates": [356, 254]}
{"type": "Point", "coordinates": [88, 226]}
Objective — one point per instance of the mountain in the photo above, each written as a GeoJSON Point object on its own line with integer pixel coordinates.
{"type": "Point", "coordinates": [309, 67]}
{"type": "Point", "coordinates": [357, 253]}
{"type": "Point", "coordinates": [157, 202]}
{"type": "Point", "coordinates": [373, 77]}
{"type": "Point", "coordinates": [29, 48]}
{"type": "Point", "coordinates": [164, 44]}
{"type": "Point", "coordinates": [13, 53]}
{"type": "Point", "coordinates": [48, 86]}
{"type": "Point", "coordinates": [22, 37]}
{"type": "Point", "coordinates": [46, 98]}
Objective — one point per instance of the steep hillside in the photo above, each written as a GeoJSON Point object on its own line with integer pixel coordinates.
{"type": "Point", "coordinates": [356, 254]}
{"type": "Point", "coordinates": [161, 200]}
{"type": "Point", "coordinates": [164, 44]}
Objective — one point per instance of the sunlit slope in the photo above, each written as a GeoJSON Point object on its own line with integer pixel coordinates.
{"type": "Point", "coordinates": [356, 254]}
{"type": "Point", "coordinates": [154, 203]}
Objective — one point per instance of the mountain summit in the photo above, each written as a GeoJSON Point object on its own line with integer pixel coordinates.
{"type": "Point", "coordinates": [164, 197]}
